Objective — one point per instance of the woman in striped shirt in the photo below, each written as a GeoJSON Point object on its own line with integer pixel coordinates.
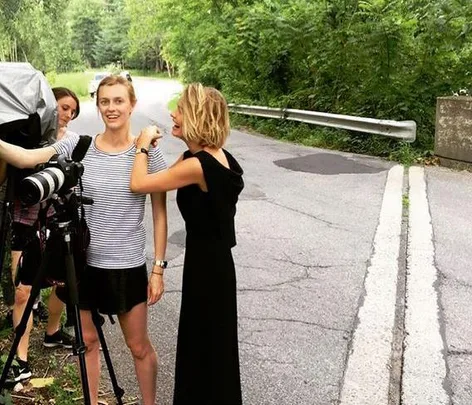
{"type": "Point", "coordinates": [115, 280]}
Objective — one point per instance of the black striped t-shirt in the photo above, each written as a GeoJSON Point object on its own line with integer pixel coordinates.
{"type": "Point", "coordinates": [117, 234]}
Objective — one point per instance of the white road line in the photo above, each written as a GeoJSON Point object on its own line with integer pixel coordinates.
{"type": "Point", "coordinates": [424, 367]}
{"type": "Point", "coordinates": [366, 380]}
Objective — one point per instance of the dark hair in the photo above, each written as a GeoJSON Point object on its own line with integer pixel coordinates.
{"type": "Point", "coordinates": [61, 92]}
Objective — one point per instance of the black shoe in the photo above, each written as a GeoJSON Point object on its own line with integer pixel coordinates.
{"type": "Point", "coordinates": [59, 339]}
{"type": "Point", "coordinates": [18, 372]}
{"type": "Point", "coordinates": [41, 312]}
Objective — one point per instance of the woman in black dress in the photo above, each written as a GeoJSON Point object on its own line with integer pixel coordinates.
{"type": "Point", "coordinates": [209, 180]}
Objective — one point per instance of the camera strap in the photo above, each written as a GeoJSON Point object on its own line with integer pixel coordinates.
{"type": "Point", "coordinates": [42, 223]}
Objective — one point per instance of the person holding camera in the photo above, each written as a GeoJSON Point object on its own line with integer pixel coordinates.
{"type": "Point", "coordinates": [208, 180]}
{"type": "Point", "coordinates": [26, 224]}
{"type": "Point", "coordinates": [115, 280]}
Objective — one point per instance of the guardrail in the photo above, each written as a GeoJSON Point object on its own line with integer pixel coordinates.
{"type": "Point", "coordinates": [402, 130]}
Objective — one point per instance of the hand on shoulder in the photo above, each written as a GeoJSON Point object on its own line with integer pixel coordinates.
{"type": "Point", "coordinates": [148, 136]}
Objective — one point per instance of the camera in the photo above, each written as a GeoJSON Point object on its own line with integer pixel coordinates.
{"type": "Point", "coordinates": [58, 175]}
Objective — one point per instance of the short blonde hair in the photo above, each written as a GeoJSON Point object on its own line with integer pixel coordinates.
{"type": "Point", "coordinates": [115, 79]}
{"type": "Point", "coordinates": [205, 116]}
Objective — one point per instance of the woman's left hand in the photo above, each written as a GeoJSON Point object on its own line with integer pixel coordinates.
{"type": "Point", "coordinates": [155, 288]}
{"type": "Point", "coordinates": [148, 136]}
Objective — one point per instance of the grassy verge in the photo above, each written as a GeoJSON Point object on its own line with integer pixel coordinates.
{"type": "Point", "coordinates": [336, 139]}
{"type": "Point", "coordinates": [77, 82]}
{"type": "Point", "coordinates": [151, 73]}
{"type": "Point", "coordinates": [56, 373]}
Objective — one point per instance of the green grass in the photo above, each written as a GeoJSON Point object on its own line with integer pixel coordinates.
{"type": "Point", "coordinates": [77, 82]}
{"type": "Point", "coordinates": [150, 73]}
{"type": "Point", "coordinates": [69, 378]}
{"type": "Point", "coordinates": [172, 104]}
{"type": "Point", "coordinates": [406, 201]}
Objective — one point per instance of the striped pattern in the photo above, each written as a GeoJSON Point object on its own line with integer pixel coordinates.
{"type": "Point", "coordinates": [116, 217]}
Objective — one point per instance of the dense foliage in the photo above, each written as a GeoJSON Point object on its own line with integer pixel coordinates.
{"type": "Point", "coordinates": [376, 58]}
{"type": "Point", "coordinates": [36, 31]}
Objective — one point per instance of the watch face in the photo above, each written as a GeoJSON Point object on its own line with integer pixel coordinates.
{"type": "Point", "coordinates": [161, 263]}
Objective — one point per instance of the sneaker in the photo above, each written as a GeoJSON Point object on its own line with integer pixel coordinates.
{"type": "Point", "coordinates": [18, 372]}
{"type": "Point", "coordinates": [41, 312]}
{"type": "Point", "coordinates": [59, 339]}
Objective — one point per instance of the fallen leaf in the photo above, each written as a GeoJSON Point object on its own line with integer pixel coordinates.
{"type": "Point", "coordinates": [41, 382]}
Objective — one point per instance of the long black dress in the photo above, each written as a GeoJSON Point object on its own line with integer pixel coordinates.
{"type": "Point", "coordinates": [207, 364]}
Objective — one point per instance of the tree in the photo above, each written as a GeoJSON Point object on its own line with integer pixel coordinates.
{"type": "Point", "coordinates": [144, 35]}
{"type": "Point", "coordinates": [85, 18]}
{"type": "Point", "coordinates": [112, 41]}
{"type": "Point", "coordinates": [32, 34]}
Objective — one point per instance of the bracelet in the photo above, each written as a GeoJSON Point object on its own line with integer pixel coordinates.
{"type": "Point", "coordinates": [157, 274]}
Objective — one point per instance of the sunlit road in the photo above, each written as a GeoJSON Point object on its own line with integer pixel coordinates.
{"type": "Point", "coordinates": [330, 246]}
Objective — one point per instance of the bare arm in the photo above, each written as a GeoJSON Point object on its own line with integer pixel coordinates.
{"type": "Point", "coordinates": [181, 174]}
{"type": "Point", "coordinates": [24, 158]}
{"type": "Point", "coordinates": [159, 215]}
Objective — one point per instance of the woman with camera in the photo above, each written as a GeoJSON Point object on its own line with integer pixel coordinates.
{"type": "Point", "coordinates": [25, 225]}
{"type": "Point", "coordinates": [208, 180]}
{"type": "Point", "coordinates": [115, 280]}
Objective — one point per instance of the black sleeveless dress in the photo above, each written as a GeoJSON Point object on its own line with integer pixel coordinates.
{"type": "Point", "coordinates": [207, 364]}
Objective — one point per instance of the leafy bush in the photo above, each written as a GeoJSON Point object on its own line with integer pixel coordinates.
{"type": "Point", "coordinates": [376, 58]}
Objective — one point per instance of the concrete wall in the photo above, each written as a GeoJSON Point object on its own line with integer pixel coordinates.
{"type": "Point", "coordinates": [453, 140]}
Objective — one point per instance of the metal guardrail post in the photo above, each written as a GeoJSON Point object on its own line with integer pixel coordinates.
{"type": "Point", "coordinates": [401, 130]}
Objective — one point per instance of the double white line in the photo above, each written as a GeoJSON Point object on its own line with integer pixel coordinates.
{"type": "Point", "coordinates": [367, 376]}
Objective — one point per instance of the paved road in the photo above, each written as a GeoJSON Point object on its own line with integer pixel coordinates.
{"type": "Point", "coordinates": [330, 248]}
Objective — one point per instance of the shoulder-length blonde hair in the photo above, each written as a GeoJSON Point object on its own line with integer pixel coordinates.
{"type": "Point", "coordinates": [205, 116]}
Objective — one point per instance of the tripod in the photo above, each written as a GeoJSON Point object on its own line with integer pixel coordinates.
{"type": "Point", "coordinates": [62, 230]}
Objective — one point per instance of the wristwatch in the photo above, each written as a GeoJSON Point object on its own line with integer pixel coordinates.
{"type": "Point", "coordinates": [160, 263]}
{"type": "Point", "coordinates": [142, 150]}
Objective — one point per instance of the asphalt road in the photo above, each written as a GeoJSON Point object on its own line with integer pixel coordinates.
{"type": "Point", "coordinates": [328, 250]}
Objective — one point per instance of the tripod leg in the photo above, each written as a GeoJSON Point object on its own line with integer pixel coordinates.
{"type": "Point", "coordinates": [5, 227]}
{"type": "Point", "coordinates": [20, 329]}
{"type": "Point", "coordinates": [7, 214]}
{"type": "Point", "coordinates": [74, 303]}
{"type": "Point", "coordinates": [119, 392]}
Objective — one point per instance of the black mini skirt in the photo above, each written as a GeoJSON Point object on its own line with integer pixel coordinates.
{"type": "Point", "coordinates": [112, 291]}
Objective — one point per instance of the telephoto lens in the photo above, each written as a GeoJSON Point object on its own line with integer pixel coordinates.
{"type": "Point", "coordinates": [42, 185]}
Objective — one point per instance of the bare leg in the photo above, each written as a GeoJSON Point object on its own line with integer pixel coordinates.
{"type": "Point", "coordinates": [134, 327]}
{"type": "Point", "coordinates": [22, 293]}
{"type": "Point", "coordinates": [15, 258]}
{"type": "Point", "coordinates": [55, 308]}
{"type": "Point", "coordinates": [92, 355]}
